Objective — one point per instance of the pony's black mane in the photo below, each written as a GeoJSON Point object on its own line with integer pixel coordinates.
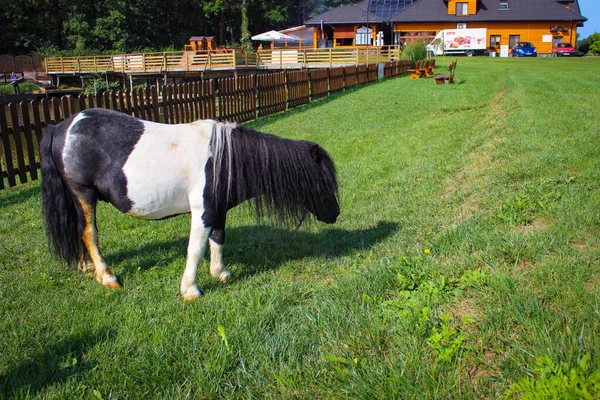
{"type": "Point", "coordinates": [280, 176]}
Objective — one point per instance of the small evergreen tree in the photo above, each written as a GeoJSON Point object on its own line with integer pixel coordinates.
{"type": "Point", "coordinates": [245, 38]}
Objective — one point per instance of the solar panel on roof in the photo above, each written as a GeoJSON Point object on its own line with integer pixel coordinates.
{"type": "Point", "coordinates": [385, 9]}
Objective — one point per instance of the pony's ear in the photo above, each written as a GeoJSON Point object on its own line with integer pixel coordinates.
{"type": "Point", "coordinates": [314, 152]}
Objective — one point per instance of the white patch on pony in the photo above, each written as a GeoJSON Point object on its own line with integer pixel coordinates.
{"type": "Point", "coordinates": [165, 171]}
{"type": "Point", "coordinates": [68, 147]}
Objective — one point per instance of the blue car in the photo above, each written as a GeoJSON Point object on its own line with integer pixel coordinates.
{"type": "Point", "coordinates": [524, 49]}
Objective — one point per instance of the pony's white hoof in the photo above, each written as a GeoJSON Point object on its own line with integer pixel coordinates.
{"type": "Point", "coordinates": [112, 285]}
{"type": "Point", "coordinates": [190, 294]}
{"type": "Point", "coordinates": [110, 282]}
{"type": "Point", "coordinates": [225, 276]}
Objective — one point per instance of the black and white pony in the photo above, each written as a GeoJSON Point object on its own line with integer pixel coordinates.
{"type": "Point", "coordinates": [155, 171]}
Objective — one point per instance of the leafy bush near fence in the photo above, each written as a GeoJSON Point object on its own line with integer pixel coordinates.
{"type": "Point", "coordinates": [414, 51]}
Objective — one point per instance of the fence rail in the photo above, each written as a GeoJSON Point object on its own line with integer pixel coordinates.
{"type": "Point", "coordinates": [241, 99]}
{"type": "Point", "coordinates": [186, 61]}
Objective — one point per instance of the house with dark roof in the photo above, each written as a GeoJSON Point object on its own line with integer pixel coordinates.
{"type": "Point", "coordinates": [396, 22]}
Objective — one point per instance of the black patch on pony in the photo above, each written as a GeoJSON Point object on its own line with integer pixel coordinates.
{"type": "Point", "coordinates": [100, 145]}
{"type": "Point", "coordinates": [284, 178]}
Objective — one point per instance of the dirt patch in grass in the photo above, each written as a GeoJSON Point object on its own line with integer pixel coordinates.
{"type": "Point", "coordinates": [479, 162]}
{"type": "Point", "coordinates": [592, 284]}
{"type": "Point", "coordinates": [479, 371]}
{"type": "Point", "coordinates": [498, 114]}
{"type": "Point", "coordinates": [467, 208]}
{"type": "Point", "coordinates": [534, 226]}
{"type": "Point", "coordinates": [464, 308]}
{"type": "Point", "coordinates": [523, 266]}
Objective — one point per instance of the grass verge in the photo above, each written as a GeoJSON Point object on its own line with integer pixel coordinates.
{"type": "Point", "coordinates": [465, 263]}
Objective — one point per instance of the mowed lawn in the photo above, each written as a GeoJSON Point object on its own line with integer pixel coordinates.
{"type": "Point", "coordinates": [465, 263]}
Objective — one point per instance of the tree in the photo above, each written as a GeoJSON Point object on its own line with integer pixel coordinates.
{"type": "Point", "coordinates": [594, 44]}
{"type": "Point", "coordinates": [590, 45]}
{"type": "Point", "coordinates": [28, 24]}
{"type": "Point", "coordinates": [245, 38]}
{"type": "Point", "coordinates": [95, 26]}
{"type": "Point", "coordinates": [583, 45]}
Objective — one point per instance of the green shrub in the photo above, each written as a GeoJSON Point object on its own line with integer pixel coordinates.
{"type": "Point", "coordinates": [558, 381]}
{"type": "Point", "coordinates": [414, 52]}
{"type": "Point", "coordinates": [100, 84]}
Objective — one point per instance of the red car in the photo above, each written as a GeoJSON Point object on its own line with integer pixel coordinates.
{"type": "Point", "coordinates": [563, 49]}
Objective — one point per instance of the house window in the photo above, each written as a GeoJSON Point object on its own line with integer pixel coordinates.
{"type": "Point", "coordinates": [494, 40]}
{"type": "Point", "coordinates": [343, 42]}
{"type": "Point", "coordinates": [503, 6]}
{"type": "Point", "coordinates": [363, 36]}
{"type": "Point", "coordinates": [513, 39]}
{"type": "Point", "coordinates": [556, 40]}
{"type": "Point", "coordinates": [462, 8]}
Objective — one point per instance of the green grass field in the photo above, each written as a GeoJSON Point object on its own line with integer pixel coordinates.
{"type": "Point", "coordinates": [465, 263]}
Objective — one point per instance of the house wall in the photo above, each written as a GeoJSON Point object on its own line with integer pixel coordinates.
{"type": "Point", "coordinates": [534, 32]}
{"type": "Point", "coordinates": [472, 7]}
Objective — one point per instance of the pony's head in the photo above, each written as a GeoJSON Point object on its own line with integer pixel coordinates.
{"type": "Point", "coordinates": [284, 178]}
{"type": "Point", "coordinates": [323, 204]}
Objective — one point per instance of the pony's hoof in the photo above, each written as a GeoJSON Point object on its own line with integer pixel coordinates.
{"type": "Point", "coordinates": [225, 276]}
{"type": "Point", "coordinates": [112, 285]}
{"type": "Point", "coordinates": [190, 294]}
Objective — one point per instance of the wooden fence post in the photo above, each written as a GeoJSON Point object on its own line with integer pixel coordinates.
{"type": "Point", "coordinates": [10, 170]}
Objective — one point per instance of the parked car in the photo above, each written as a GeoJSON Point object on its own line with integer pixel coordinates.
{"type": "Point", "coordinates": [563, 49]}
{"type": "Point", "coordinates": [524, 49]}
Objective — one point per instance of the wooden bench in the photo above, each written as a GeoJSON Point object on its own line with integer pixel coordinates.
{"type": "Point", "coordinates": [446, 78]}
{"type": "Point", "coordinates": [429, 67]}
{"type": "Point", "coordinates": [417, 72]}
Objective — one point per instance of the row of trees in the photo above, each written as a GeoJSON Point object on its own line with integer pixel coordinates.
{"type": "Point", "coordinates": [590, 45]}
{"type": "Point", "coordinates": [92, 26]}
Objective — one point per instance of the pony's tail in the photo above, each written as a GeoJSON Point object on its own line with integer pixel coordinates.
{"type": "Point", "coordinates": [58, 207]}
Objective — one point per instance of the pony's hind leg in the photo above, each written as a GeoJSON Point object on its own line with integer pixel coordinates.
{"type": "Point", "coordinates": [85, 264]}
{"type": "Point", "coordinates": [87, 221]}
{"type": "Point", "coordinates": [217, 267]}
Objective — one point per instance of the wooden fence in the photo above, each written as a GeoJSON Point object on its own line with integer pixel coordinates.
{"type": "Point", "coordinates": [235, 99]}
{"type": "Point", "coordinates": [185, 61]}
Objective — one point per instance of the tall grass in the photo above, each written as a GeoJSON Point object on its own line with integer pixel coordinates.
{"type": "Point", "coordinates": [465, 262]}
{"type": "Point", "coordinates": [414, 51]}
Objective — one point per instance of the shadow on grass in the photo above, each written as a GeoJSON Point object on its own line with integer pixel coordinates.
{"type": "Point", "coordinates": [20, 195]}
{"type": "Point", "coordinates": [256, 256]}
{"type": "Point", "coordinates": [55, 364]}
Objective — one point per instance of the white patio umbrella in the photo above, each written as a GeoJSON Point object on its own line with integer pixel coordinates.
{"type": "Point", "coordinates": [273, 35]}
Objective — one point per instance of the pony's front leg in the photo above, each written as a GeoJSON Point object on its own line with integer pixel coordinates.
{"type": "Point", "coordinates": [217, 267]}
{"type": "Point", "coordinates": [197, 243]}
